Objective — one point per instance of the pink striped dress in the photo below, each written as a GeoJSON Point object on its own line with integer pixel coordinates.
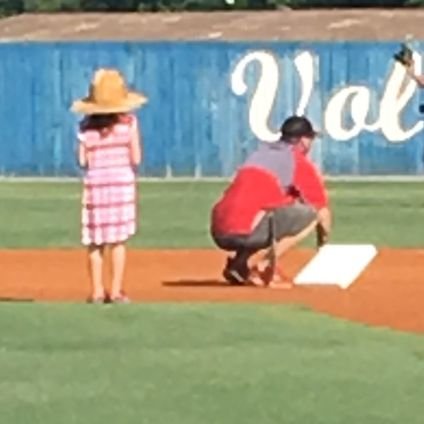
{"type": "Point", "coordinates": [109, 193]}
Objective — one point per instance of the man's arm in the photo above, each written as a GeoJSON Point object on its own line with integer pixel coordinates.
{"type": "Point", "coordinates": [419, 79]}
{"type": "Point", "coordinates": [310, 185]}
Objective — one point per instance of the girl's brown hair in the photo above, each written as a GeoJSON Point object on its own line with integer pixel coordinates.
{"type": "Point", "coordinates": [101, 123]}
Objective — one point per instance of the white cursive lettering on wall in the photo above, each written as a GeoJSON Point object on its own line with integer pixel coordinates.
{"type": "Point", "coordinates": [394, 101]}
{"type": "Point", "coordinates": [304, 63]}
{"type": "Point", "coordinates": [395, 98]}
{"type": "Point", "coordinates": [264, 95]}
{"type": "Point", "coordinates": [267, 87]}
{"type": "Point", "coordinates": [354, 100]}
{"type": "Point", "coordinates": [359, 98]}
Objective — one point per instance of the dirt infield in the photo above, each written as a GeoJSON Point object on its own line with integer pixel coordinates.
{"type": "Point", "coordinates": [390, 293]}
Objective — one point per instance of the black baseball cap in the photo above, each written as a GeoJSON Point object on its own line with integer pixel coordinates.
{"type": "Point", "coordinates": [297, 126]}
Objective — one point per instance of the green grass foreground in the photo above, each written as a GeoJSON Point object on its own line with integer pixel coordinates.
{"type": "Point", "coordinates": [176, 214]}
{"type": "Point", "coordinates": [163, 364]}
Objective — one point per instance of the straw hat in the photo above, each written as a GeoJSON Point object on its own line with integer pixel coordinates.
{"type": "Point", "coordinates": [108, 94]}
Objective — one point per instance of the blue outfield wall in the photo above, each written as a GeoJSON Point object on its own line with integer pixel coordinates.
{"type": "Point", "coordinates": [209, 103]}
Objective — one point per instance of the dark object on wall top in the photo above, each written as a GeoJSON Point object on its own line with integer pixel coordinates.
{"type": "Point", "coordinates": [404, 55]}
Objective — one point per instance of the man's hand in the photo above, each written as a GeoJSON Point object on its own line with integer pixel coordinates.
{"type": "Point", "coordinates": [410, 71]}
{"type": "Point", "coordinates": [322, 237]}
{"type": "Point", "coordinates": [324, 226]}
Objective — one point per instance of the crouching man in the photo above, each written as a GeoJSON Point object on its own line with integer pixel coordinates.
{"type": "Point", "coordinates": [276, 199]}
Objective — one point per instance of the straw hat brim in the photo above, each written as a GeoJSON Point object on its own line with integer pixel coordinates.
{"type": "Point", "coordinates": [88, 107]}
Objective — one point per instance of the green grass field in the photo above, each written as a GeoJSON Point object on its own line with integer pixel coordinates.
{"type": "Point", "coordinates": [203, 364]}
{"type": "Point", "coordinates": [176, 215]}
{"type": "Point", "coordinates": [186, 364]}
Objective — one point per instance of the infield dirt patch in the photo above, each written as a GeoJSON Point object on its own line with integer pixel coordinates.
{"type": "Point", "coordinates": [390, 293]}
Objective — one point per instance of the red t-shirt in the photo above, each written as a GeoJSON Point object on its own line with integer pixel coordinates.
{"type": "Point", "coordinates": [254, 190]}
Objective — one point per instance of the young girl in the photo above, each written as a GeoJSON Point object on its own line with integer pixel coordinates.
{"type": "Point", "coordinates": [109, 152]}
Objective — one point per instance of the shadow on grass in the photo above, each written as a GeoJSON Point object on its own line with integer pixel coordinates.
{"type": "Point", "coordinates": [15, 300]}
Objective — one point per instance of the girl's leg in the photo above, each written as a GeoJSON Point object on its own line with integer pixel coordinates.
{"type": "Point", "coordinates": [118, 253]}
{"type": "Point", "coordinates": [95, 266]}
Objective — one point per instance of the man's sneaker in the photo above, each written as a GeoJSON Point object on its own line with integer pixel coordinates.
{"type": "Point", "coordinates": [235, 274]}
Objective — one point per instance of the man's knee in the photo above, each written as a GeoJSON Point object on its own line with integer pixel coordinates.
{"type": "Point", "coordinates": [293, 220]}
{"type": "Point", "coordinates": [232, 242]}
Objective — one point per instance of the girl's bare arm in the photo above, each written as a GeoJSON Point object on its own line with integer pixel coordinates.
{"type": "Point", "coordinates": [136, 146]}
{"type": "Point", "coordinates": [82, 155]}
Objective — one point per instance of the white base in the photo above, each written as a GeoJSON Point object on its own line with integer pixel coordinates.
{"type": "Point", "coordinates": [336, 264]}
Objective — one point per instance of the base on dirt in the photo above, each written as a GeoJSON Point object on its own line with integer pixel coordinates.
{"type": "Point", "coordinates": [337, 264]}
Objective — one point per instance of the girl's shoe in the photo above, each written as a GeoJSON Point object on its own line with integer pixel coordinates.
{"type": "Point", "coordinates": [122, 298]}
{"type": "Point", "coordinates": [98, 300]}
